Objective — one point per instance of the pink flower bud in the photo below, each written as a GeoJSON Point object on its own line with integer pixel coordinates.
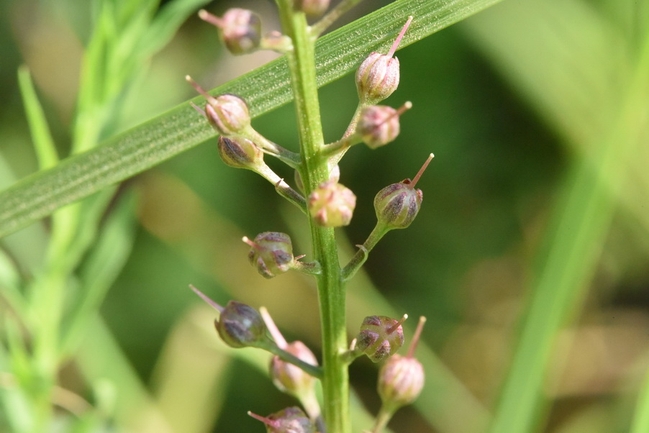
{"type": "Point", "coordinates": [380, 337]}
{"type": "Point", "coordinates": [289, 420]}
{"type": "Point", "coordinates": [379, 124]}
{"type": "Point", "coordinates": [401, 378]}
{"type": "Point", "coordinates": [378, 76]}
{"type": "Point", "coordinates": [313, 8]}
{"type": "Point", "coordinates": [240, 29]}
{"type": "Point", "coordinates": [271, 253]}
{"type": "Point", "coordinates": [228, 114]}
{"type": "Point", "coordinates": [397, 205]}
{"type": "Point", "coordinates": [332, 204]}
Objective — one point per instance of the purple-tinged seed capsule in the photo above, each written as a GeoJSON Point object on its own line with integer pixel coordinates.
{"type": "Point", "coordinates": [240, 325]}
{"type": "Point", "coordinates": [398, 204]}
{"type": "Point", "coordinates": [240, 152]}
{"type": "Point", "coordinates": [380, 337]}
{"type": "Point", "coordinates": [289, 420]}
{"type": "Point", "coordinates": [240, 29]}
{"type": "Point", "coordinates": [271, 253]}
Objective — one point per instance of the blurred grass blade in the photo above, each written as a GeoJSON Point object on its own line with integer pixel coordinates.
{"type": "Point", "coordinates": [641, 416]}
{"type": "Point", "coordinates": [181, 128]}
{"type": "Point", "coordinates": [583, 212]}
{"type": "Point", "coordinates": [40, 132]}
{"type": "Point", "coordinates": [100, 269]}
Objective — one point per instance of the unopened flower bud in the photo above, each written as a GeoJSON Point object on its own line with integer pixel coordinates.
{"type": "Point", "coordinates": [240, 29]}
{"type": "Point", "coordinates": [378, 76]}
{"type": "Point", "coordinates": [291, 379]}
{"type": "Point", "coordinates": [289, 420]}
{"type": "Point", "coordinates": [228, 114]}
{"type": "Point", "coordinates": [240, 152]}
{"type": "Point", "coordinates": [397, 204]}
{"type": "Point", "coordinates": [380, 337]}
{"type": "Point", "coordinates": [271, 253]}
{"type": "Point", "coordinates": [379, 124]}
{"type": "Point", "coordinates": [240, 325]}
{"type": "Point", "coordinates": [332, 204]}
{"type": "Point", "coordinates": [401, 378]}
{"type": "Point", "coordinates": [312, 8]}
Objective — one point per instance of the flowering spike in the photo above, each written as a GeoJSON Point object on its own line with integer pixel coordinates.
{"type": "Point", "coordinates": [240, 29]}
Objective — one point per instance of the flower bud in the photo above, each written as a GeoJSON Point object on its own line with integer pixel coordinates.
{"type": "Point", "coordinates": [397, 205]}
{"type": "Point", "coordinates": [240, 152]}
{"type": "Point", "coordinates": [240, 29]}
{"type": "Point", "coordinates": [240, 325]}
{"type": "Point", "coordinates": [378, 76]}
{"type": "Point", "coordinates": [379, 124]}
{"type": "Point", "coordinates": [401, 378]}
{"type": "Point", "coordinates": [332, 204]}
{"type": "Point", "coordinates": [380, 337]}
{"type": "Point", "coordinates": [228, 114]}
{"type": "Point", "coordinates": [291, 379]}
{"type": "Point", "coordinates": [271, 253]}
{"type": "Point", "coordinates": [289, 420]}
{"type": "Point", "coordinates": [313, 8]}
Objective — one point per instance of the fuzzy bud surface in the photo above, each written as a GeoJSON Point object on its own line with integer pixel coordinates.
{"type": "Point", "coordinates": [379, 337]}
{"type": "Point", "coordinates": [332, 204]}
{"type": "Point", "coordinates": [401, 380]}
{"type": "Point", "coordinates": [377, 78]}
{"type": "Point", "coordinates": [378, 125]}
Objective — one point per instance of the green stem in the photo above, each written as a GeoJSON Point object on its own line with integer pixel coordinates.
{"type": "Point", "coordinates": [315, 171]}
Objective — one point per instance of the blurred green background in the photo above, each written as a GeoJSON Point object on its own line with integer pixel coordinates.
{"type": "Point", "coordinates": [532, 245]}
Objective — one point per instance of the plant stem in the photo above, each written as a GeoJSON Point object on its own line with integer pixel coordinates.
{"type": "Point", "coordinates": [315, 171]}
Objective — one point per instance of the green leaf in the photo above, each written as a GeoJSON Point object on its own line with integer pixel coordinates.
{"type": "Point", "coordinates": [43, 142]}
{"type": "Point", "coordinates": [181, 128]}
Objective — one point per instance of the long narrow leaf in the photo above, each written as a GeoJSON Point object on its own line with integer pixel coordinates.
{"type": "Point", "coordinates": [181, 128]}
